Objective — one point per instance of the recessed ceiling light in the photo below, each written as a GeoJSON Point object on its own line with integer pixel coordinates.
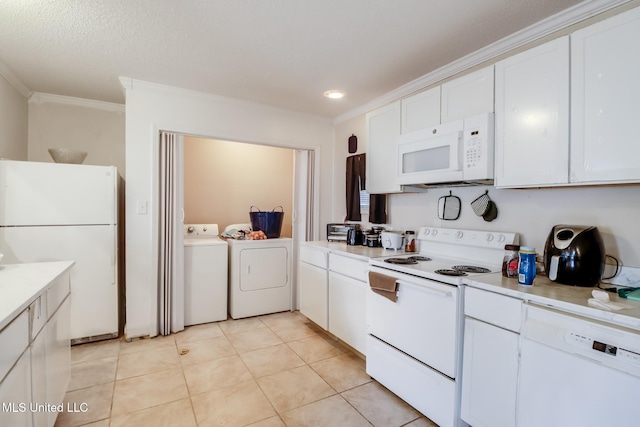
{"type": "Point", "coordinates": [334, 94]}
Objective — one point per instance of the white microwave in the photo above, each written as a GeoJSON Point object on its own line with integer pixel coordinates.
{"type": "Point", "coordinates": [455, 152]}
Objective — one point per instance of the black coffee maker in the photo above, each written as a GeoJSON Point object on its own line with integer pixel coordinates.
{"type": "Point", "coordinates": [574, 255]}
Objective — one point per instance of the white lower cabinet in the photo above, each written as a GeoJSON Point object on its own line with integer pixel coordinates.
{"type": "Point", "coordinates": [39, 379]}
{"type": "Point", "coordinates": [333, 293]}
{"type": "Point", "coordinates": [314, 293]}
{"type": "Point", "coordinates": [15, 394]}
{"type": "Point", "coordinates": [489, 375]}
{"type": "Point", "coordinates": [348, 310]}
{"type": "Point", "coordinates": [348, 300]}
{"type": "Point", "coordinates": [39, 375]}
{"type": "Point", "coordinates": [58, 331]}
{"type": "Point", "coordinates": [313, 285]}
{"type": "Point", "coordinates": [490, 360]}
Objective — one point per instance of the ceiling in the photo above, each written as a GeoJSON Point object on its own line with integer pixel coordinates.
{"type": "Point", "coordinates": [285, 53]}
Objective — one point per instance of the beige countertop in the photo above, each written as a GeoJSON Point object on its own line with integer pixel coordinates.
{"type": "Point", "coordinates": [357, 251]}
{"type": "Point", "coordinates": [21, 284]}
{"type": "Point", "coordinates": [570, 299]}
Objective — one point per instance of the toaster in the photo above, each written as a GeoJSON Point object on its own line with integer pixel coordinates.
{"type": "Point", "coordinates": [338, 232]}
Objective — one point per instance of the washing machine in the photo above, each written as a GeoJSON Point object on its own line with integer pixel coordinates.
{"type": "Point", "coordinates": [259, 276]}
{"type": "Point", "coordinates": [205, 274]}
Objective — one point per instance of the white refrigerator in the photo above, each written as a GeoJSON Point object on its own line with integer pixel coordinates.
{"type": "Point", "coordinates": [53, 212]}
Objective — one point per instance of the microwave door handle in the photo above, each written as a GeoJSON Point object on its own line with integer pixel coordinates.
{"type": "Point", "coordinates": [456, 149]}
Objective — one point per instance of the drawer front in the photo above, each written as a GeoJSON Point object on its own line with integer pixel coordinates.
{"type": "Point", "coordinates": [57, 292]}
{"type": "Point", "coordinates": [496, 309]}
{"type": "Point", "coordinates": [313, 256]}
{"type": "Point", "coordinates": [350, 267]}
{"type": "Point", "coordinates": [429, 392]}
{"type": "Point", "coordinates": [39, 314]}
{"type": "Point", "coordinates": [14, 338]}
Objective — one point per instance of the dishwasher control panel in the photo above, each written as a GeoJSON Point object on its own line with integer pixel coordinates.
{"type": "Point", "coordinates": [588, 344]}
{"type": "Point", "coordinates": [604, 343]}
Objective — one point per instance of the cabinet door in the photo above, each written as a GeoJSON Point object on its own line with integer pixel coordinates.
{"type": "Point", "coordinates": [15, 394]}
{"type": "Point", "coordinates": [489, 375]}
{"type": "Point", "coordinates": [605, 90]}
{"type": "Point", "coordinates": [421, 111]}
{"type": "Point", "coordinates": [314, 293]}
{"type": "Point", "coordinates": [383, 127]}
{"type": "Point", "coordinates": [468, 95]}
{"type": "Point", "coordinates": [39, 377]}
{"type": "Point", "coordinates": [348, 310]}
{"type": "Point", "coordinates": [532, 117]}
{"type": "Point", "coordinates": [58, 351]}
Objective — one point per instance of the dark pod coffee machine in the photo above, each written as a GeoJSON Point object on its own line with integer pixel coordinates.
{"type": "Point", "coordinates": [574, 255]}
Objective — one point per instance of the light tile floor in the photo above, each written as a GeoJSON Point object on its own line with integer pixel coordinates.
{"type": "Point", "coordinates": [267, 371]}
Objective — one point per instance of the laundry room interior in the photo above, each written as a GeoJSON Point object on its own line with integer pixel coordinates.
{"type": "Point", "coordinates": [223, 180]}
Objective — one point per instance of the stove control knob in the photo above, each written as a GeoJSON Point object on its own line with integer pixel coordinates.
{"type": "Point", "coordinates": [434, 232]}
{"type": "Point", "coordinates": [459, 235]}
{"type": "Point", "coordinates": [501, 238]}
{"type": "Point", "coordinates": [489, 237]}
{"type": "Point", "coordinates": [426, 232]}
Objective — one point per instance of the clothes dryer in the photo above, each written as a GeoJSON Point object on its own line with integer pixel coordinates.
{"type": "Point", "coordinates": [259, 276]}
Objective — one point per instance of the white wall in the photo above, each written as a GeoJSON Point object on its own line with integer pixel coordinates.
{"type": "Point", "coordinates": [151, 108]}
{"type": "Point", "coordinates": [63, 122]}
{"type": "Point", "coordinates": [13, 122]}
{"type": "Point", "coordinates": [615, 210]}
{"type": "Point", "coordinates": [224, 179]}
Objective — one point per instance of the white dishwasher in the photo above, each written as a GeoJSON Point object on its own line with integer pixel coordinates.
{"type": "Point", "coordinates": [576, 371]}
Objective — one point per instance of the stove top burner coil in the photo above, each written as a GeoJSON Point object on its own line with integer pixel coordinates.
{"type": "Point", "coordinates": [401, 261]}
{"type": "Point", "coordinates": [471, 269]}
{"type": "Point", "coordinates": [420, 258]}
{"type": "Point", "coordinates": [448, 272]}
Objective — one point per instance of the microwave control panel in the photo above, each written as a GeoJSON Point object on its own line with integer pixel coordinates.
{"type": "Point", "coordinates": [477, 151]}
{"type": "Point", "coordinates": [472, 149]}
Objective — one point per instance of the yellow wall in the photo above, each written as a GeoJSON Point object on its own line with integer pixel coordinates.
{"type": "Point", "coordinates": [224, 179]}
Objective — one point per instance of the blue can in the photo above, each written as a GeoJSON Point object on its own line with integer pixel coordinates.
{"type": "Point", "coordinates": [527, 266]}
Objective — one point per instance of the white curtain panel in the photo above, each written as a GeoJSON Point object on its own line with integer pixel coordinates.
{"type": "Point", "coordinates": [171, 234]}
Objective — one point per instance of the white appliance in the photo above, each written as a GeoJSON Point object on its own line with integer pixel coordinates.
{"type": "Point", "coordinates": [576, 371]}
{"type": "Point", "coordinates": [414, 346]}
{"type": "Point", "coordinates": [259, 276]}
{"type": "Point", "coordinates": [55, 212]}
{"type": "Point", "coordinates": [454, 152]}
{"type": "Point", "coordinates": [205, 274]}
{"type": "Point", "coordinates": [391, 239]}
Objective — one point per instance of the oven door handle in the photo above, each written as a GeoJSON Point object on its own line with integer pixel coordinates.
{"type": "Point", "coordinates": [439, 292]}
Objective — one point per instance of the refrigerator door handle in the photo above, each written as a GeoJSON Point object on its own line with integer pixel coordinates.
{"type": "Point", "coordinates": [114, 254]}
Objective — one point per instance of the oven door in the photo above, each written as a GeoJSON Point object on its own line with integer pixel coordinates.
{"type": "Point", "coordinates": [423, 322]}
{"type": "Point", "coordinates": [431, 156]}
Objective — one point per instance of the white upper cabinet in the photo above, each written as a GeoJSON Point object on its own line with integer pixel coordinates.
{"type": "Point", "coordinates": [383, 127]}
{"type": "Point", "coordinates": [605, 106]}
{"type": "Point", "coordinates": [421, 110]}
{"type": "Point", "coordinates": [532, 117]}
{"type": "Point", "coordinates": [468, 96]}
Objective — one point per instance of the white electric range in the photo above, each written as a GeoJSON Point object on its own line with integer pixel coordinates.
{"type": "Point", "coordinates": [414, 345]}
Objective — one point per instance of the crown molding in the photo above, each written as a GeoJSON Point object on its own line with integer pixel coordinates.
{"type": "Point", "coordinates": [40, 98]}
{"type": "Point", "coordinates": [133, 84]}
{"type": "Point", "coordinates": [13, 80]}
{"type": "Point", "coordinates": [559, 21]}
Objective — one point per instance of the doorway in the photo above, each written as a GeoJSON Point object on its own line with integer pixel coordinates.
{"type": "Point", "coordinates": [298, 184]}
